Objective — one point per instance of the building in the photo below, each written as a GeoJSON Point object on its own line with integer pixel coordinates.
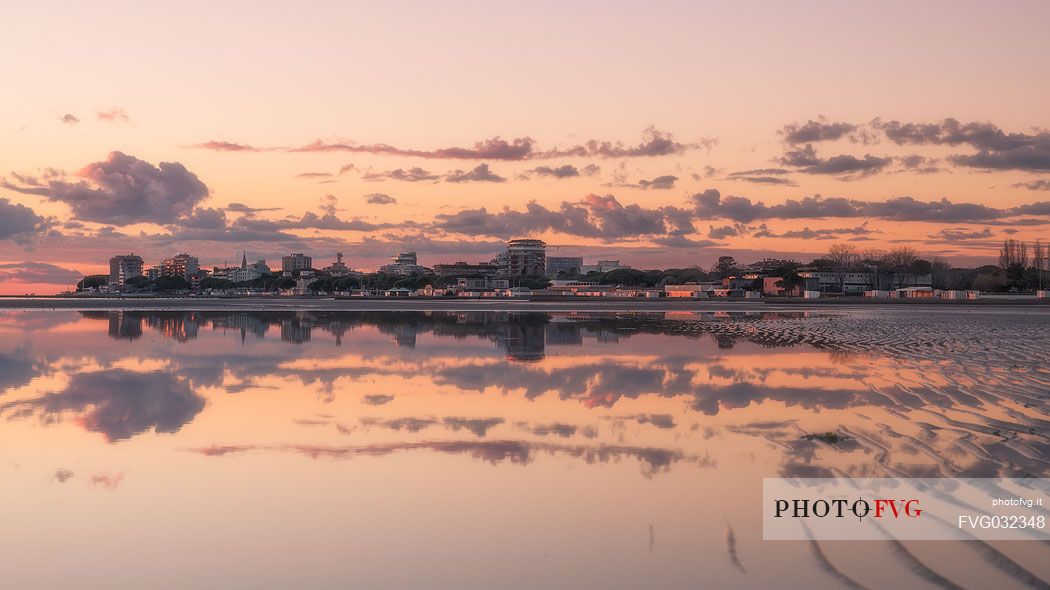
{"type": "Point", "coordinates": [404, 263]}
{"type": "Point", "coordinates": [337, 268]}
{"type": "Point", "coordinates": [124, 267]}
{"type": "Point", "coordinates": [602, 266]}
{"type": "Point", "coordinates": [526, 257]}
{"type": "Point", "coordinates": [180, 265]}
{"type": "Point", "coordinates": [569, 265]}
{"type": "Point", "coordinates": [840, 282]}
{"type": "Point", "coordinates": [482, 284]}
{"type": "Point", "coordinates": [462, 269]}
{"type": "Point", "coordinates": [297, 261]}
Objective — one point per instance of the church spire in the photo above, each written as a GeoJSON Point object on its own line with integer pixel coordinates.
{"type": "Point", "coordinates": [244, 260]}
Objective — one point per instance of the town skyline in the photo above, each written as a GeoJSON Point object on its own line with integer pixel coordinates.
{"type": "Point", "coordinates": [673, 153]}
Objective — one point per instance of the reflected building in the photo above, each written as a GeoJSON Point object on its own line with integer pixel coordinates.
{"type": "Point", "coordinates": [124, 326]}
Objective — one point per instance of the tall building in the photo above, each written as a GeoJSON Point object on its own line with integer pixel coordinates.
{"type": "Point", "coordinates": [404, 263]}
{"type": "Point", "coordinates": [563, 264]}
{"type": "Point", "coordinates": [180, 265]}
{"type": "Point", "coordinates": [526, 257]}
{"type": "Point", "coordinates": [337, 268]}
{"type": "Point", "coordinates": [296, 262]}
{"type": "Point", "coordinates": [124, 267]}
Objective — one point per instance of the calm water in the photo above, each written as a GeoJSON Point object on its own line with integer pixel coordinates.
{"type": "Point", "coordinates": [496, 450]}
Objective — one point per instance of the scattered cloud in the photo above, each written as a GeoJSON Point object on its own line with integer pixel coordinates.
{"type": "Point", "coordinates": [996, 149]}
{"type": "Point", "coordinates": [69, 119]}
{"type": "Point", "coordinates": [1034, 185]}
{"type": "Point", "coordinates": [654, 143]}
{"type": "Point", "coordinates": [224, 146]}
{"type": "Point", "coordinates": [19, 223]}
{"type": "Point", "coordinates": [479, 173]}
{"type": "Point", "coordinates": [665, 182]}
{"type": "Point", "coordinates": [123, 190]}
{"type": "Point", "coordinates": [38, 272]}
{"type": "Point", "coordinates": [845, 167]}
{"type": "Point", "coordinates": [379, 199]}
{"type": "Point", "coordinates": [414, 174]}
{"type": "Point", "coordinates": [815, 131]}
{"type": "Point", "coordinates": [960, 234]}
{"type": "Point", "coordinates": [113, 115]}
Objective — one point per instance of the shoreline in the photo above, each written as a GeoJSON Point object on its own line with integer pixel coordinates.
{"type": "Point", "coordinates": [463, 304]}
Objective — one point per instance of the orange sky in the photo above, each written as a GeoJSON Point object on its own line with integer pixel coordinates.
{"type": "Point", "coordinates": [717, 87]}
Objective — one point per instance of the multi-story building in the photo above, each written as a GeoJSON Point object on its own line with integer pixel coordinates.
{"type": "Point", "coordinates": [337, 268]}
{"type": "Point", "coordinates": [570, 265]}
{"type": "Point", "coordinates": [124, 267]}
{"type": "Point", "coordinates": [180, 265]}
{"type": "Point", "coordinates": [526, 257]}
{"type": "Point", "coordinates": [297, 261]}
{"type": "Point", "coordinates": [462, 269]}
{"type": "Point", "coordinates": [602, 266]}
{"type": "Point", "coordinates": [404, 263]}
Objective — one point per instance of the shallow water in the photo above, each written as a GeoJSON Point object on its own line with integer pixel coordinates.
{"type": "Point", "coordinates": [378, 449]}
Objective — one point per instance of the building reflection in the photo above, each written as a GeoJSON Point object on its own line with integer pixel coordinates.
{"type": "Point", "coordinates": [522, 336]}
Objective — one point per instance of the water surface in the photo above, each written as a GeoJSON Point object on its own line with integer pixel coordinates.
{"type": "Point", "coordinates": [169, 449]}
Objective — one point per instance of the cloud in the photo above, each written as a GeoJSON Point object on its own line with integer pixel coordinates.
{"type": "Point", "coordinates": [919, 164]}
{"type": "Point", "coordinates": [313, 175]}
{"type": "Point", "coordinates": [379, 199]}
{"type": "Point", "coordinates": [38, 272]}
{"type": "Point", "coordinates": [1034, 185]}
{"type": "Point", "coordinates": [846, 167]}
{"type": "Point", "coordinates": [721, 233]}
{"type": "Point", "coordinates": [242, 208]}
{"type": "Point", "coordinates": [772, 176]}
{"type": "Point", "coordinates": [652, 460]}
{"type": "Point", "coordinates": [556, 428]}
{"type": "Point", "coordinates": [406, 424]}
{"type": "Point", "coordinates": [224, 146]}
{"type": "Point", "coordinates": [814, 131]}
{"type": "Point", "coordinates": [996, 149]}
{"type": "Point", "coordinates": [120, 403]}
{"type": "Point", "coordinates": [69, 119]}
{"type": "Point", "coordinates": [414, 174]}
{"type": "Point", "coordinates": [594, 216]}
{"type": "Point", "coordinates": [654, 143]}
{"type": "Point", "coordinates": [377, 399]}
{"type": "Point", "coordinates": [559, 172]}
{"type": "Point", "coordinates": [479, 173]}
{"type": "Point", "coordinates": [665, 182]}
{"type": "Point", "coordinates": [815, 234]}
{"type": "Point", "coordinates": [478, 426]}
{"type": "Point", "coordinates": [959, 234]}
{"type": "Point", "coordinates": [19, 223]}
{"type": "Point", "coordinates": [123, 190]}
{"type": "Point", "coordinates": [113, 115]}
{"type": "Point", "coordinates": [495, 148]}
{"type": "Point", "coordinates": [204, 218]}
{"type": "Point", "coordinates": [710, 204]}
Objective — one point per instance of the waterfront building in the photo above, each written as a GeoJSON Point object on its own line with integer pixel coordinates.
{"type": "Point", "coordinates": [337, 268]}
{"type": "Point", "coordinates": [570, 265]}
{"type": "Point", "coordinates": [124, 267]}
{"type": "Point", "coordinates": [404, 263]}
{"type": "Point", "coordinates": [526, 257]}
{"type": "Point", "coordinates": [462, 269]}
{"type": "Point", "coordinates": [180, 265]}
{"type": "Point", "coordinates": [602, 266]}
{"type": "Point", "coordinates": [296, 261]}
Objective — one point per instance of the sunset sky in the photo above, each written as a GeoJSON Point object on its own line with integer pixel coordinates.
{"type": "Point", "coordinates": [663, 134]}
